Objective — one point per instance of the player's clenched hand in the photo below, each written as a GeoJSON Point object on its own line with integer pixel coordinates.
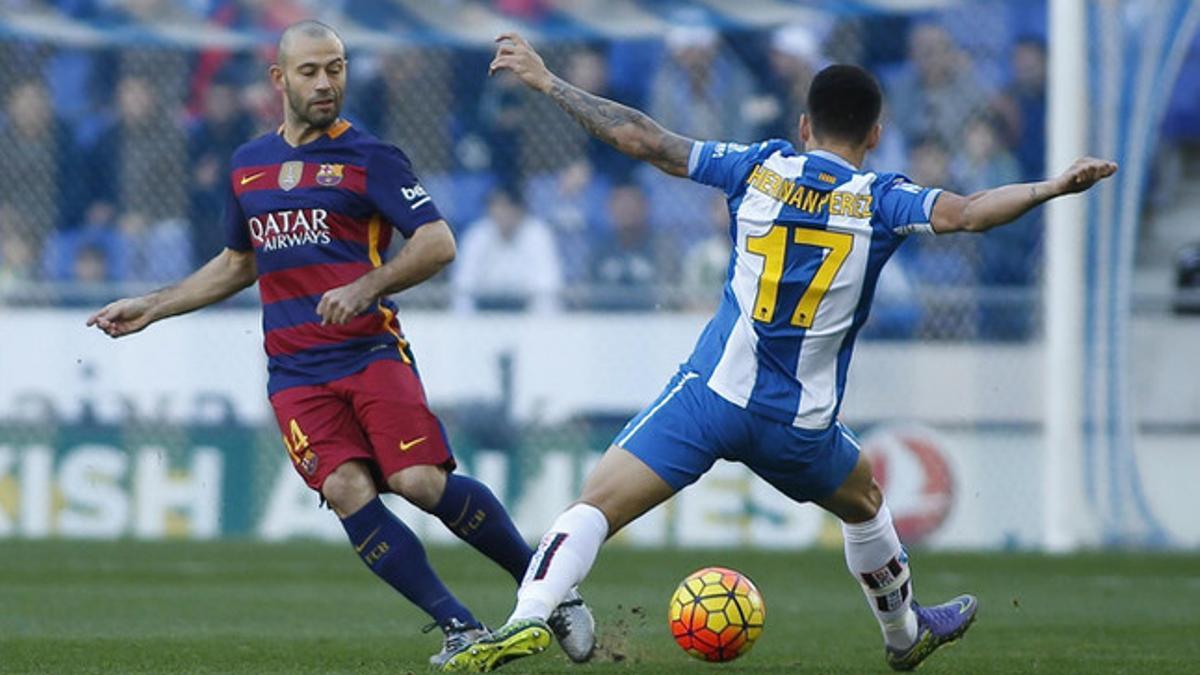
{"type": "Point", "coordinates": [514, 54]}
{"type": "Point", "coordinates": [122, 317]}
{"type": "Point", "coordinates": [1083, 174]}
{"type": "Point", "coordinates": [339, 305]}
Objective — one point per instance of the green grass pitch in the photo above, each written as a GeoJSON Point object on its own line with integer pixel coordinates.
{"type": "Point", "coordinates": [237, 607]}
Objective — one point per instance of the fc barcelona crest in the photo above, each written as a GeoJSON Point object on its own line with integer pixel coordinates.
{"type": "Point", "coordinates": [330, 174]}
{"type": "Point", "coordinates": [309, 462]}
{"type": "Point", "coordinates": [290, 174]}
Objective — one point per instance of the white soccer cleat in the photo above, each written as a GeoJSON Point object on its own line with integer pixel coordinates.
{"type": "Point", "coordinates": [574, 627]}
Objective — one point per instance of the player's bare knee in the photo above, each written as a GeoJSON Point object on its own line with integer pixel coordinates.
{"type": "Point", "coordinates": [863, 504]}
{"type": "Point", "coordinates": [618, 509]}
{"type": "Point", "coordinates": [616, 520]}
{"type": "Point", "coordinates": [873, 499]}
{"type": "Point", "coordinates": [349, 488]}
{"type": "Point", "coordinates": [602, 496]}
{"type": "Point", "coordinates": [622, 487]}
{"type": "Point", "coordinates": [421, 485]}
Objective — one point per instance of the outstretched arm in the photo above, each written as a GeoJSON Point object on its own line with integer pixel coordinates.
{"type": "Point", "coordinates": [986, 209]}
{"type": "Point", "coordinates": [227, 273]}
{"type": "Point", "coordinates": [628, 130]}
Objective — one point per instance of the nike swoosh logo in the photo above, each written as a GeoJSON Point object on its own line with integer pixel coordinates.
{"type": "Point", "coordinates": [963, 606]}
{"type": "Point", "coordinates": [360, 547]}
{"type": "Point", "coordinates": [253, 177]}
{"type": "Point", "coordinates": [405, 446]}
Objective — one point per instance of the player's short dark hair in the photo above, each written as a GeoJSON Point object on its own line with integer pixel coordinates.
{"type": "Point", "coordinates": [844, 103]}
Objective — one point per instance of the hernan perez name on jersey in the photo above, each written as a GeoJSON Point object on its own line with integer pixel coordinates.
{"type": "Point", "coordinates": [292, 227]}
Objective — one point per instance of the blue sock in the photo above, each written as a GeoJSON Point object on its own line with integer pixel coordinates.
{"type": "Point", "coordinates": [474, 514]}
{"type": "Point", "coordinates": [395, 555]}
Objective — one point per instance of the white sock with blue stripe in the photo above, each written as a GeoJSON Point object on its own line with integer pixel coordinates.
{"type": "Point", "coordinates": [561, 561]}
{"type": "Point", "coordinates": [879, 563]}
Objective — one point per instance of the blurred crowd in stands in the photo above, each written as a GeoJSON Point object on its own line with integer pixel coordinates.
{"type": "Point", "coordinates": [114, 160]}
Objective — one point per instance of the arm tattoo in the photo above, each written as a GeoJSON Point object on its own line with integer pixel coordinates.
{"type": "Point", "coordinates": [630, 131]}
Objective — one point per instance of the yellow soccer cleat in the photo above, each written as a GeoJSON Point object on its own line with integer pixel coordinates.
{"type": "Point", "coordinates": [511, 641]}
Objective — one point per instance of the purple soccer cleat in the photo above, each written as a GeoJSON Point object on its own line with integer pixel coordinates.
{"type": "Point", "coordinates": [936, 626]}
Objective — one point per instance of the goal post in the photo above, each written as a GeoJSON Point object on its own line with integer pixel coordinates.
{"type": "Point", "coordinates": [1063, 305]}
{"type": "Point", "coordinates": [1108, 63]}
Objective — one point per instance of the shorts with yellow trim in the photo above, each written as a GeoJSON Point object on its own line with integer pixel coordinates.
{"type": "Point", "coordinates": [378, 415]}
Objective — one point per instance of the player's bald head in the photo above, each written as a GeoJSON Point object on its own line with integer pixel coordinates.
{"type": "Point", "coordinates": [310, 73]}
{"type": "Point", "coordinates": [301, 31]}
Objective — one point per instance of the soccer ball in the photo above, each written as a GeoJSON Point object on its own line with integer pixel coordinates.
{"type": "Point", "coordinates": [716, 614]}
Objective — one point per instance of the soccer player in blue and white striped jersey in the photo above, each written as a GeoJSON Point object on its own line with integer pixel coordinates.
{"type": "Point", "coordinates": [810, 231]}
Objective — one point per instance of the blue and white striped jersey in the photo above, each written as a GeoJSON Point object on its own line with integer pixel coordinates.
{"type": "Point", "coordinates": [810, 235]}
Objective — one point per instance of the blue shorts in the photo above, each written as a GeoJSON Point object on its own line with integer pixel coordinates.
{"type": "Point", "coordinates": [688, 427]}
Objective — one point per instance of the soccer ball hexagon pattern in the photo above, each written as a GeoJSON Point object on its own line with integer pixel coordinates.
{"type": "Point", "coordinates": [716, 614]}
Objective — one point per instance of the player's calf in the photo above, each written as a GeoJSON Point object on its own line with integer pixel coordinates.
{"type": "Point", "coordinates": [879, 564]}
{"type": "Point", "coordinates": [391, 551]}
{"type": "Point", "coordinates": [471, 511]}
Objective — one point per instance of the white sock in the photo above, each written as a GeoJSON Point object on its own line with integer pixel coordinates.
{"type": "Point", "coordinates": [876, 560]}
{"type": "Point", "coordinates": [562, 560]}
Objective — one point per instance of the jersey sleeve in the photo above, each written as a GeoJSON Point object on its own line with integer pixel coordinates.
{"type": "Point", "coordinates": [233, 222]}
{"type": "Point", "coordinates": [725, 165]}
{"type": "Point", "coordinates": [903, 206]}
{"type": "Point", "coordinates": [396, 193]}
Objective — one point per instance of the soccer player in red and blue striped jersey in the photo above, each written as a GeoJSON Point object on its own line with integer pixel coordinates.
{"type": "Point", "coordinates": [311, 210]}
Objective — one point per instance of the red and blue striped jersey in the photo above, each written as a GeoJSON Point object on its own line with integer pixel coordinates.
{"type": "Point", "coordinates": [318, 217]}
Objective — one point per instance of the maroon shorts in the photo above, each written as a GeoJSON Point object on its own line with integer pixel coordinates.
{"type": "Point", "coordinates": [378, 415]}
